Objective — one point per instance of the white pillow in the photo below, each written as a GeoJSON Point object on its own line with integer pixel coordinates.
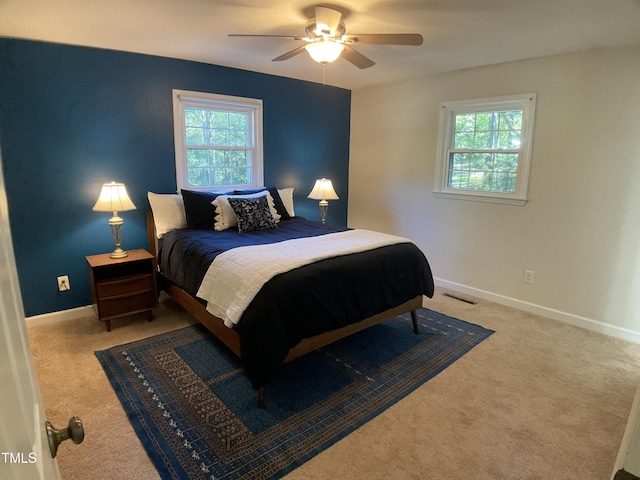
{"type": "Point", "coordinates": [286, 194]}
{"type": "Point", "coordinates": [168, 212]}
{"type": "Point", "coordinates": [226, 217]}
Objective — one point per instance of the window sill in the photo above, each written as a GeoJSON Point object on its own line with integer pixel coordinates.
{"type": "Point", "coordinates": [481, 198]}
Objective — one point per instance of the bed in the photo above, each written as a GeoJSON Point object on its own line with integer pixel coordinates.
{"type": "Point", "coordinates": [294, 311]}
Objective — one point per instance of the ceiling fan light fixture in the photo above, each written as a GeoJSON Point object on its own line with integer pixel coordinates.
{"type": "Point", "coordinates": [324, 52]}
{"type": "Point", "coordinates": [326, 40]}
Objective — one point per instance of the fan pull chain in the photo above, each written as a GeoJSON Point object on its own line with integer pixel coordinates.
{"type": "Point", "coordinates": [324, 74]}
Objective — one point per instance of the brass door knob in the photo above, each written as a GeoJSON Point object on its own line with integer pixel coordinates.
{"type": "Point", "coordinates": [75, 432]}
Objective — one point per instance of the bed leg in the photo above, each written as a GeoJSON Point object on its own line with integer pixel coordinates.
{"type": "Point", "coordinates": [261, 400]}
{"type": "Point", "coordinates": [414, 320]}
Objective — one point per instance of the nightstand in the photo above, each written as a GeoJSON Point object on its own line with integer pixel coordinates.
{"type": "Point", "coordinates": [122, 286]}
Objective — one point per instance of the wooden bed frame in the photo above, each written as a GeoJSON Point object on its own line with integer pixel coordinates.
{"type": "Point", "coordinates": [230, 337]}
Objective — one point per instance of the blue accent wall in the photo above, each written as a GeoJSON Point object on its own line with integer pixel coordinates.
{"type": "Point", "coordinates": [73, 118]}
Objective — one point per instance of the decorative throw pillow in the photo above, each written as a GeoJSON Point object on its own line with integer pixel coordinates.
{"type": "Point", "coordinates": [286, 195]}
{"type": "Point", "coordinates": [168, 212]}
{"type": "Point", "coordinates": [199, 211]}
{"type": "Point", "coordinates": [284, 209]}
{"type": "Point", "coordinates": [225, 216]}
{"type": "Point", "coordinates": [252, 214]}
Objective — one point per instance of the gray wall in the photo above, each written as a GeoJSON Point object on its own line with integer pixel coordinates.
{"type": "Point", "coordinates": [580, 231]}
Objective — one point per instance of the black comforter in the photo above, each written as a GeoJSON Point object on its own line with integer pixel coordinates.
{"type": "Point", "coordinates": [306, 301]}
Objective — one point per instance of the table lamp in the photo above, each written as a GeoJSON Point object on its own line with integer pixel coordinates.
{"type": "Point", "coordinates": [113, 198]}
{"type": "Point", "coordinates": [323, 191]}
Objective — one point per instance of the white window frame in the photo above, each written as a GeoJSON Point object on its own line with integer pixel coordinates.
{"type": "Point", "coordinates": [449, 110]}
{"type": "Point", "coordinates": [183, 99]}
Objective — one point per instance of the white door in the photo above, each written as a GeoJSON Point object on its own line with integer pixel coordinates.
{"type": "Point", "coordinates": [24, 447]}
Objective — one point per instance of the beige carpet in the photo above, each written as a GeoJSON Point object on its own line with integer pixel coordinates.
{"type": "Point", "coordinates": [537, 400]}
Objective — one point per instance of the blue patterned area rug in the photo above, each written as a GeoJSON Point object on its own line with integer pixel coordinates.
{"type": "Point", "coordinates": [197, 416]}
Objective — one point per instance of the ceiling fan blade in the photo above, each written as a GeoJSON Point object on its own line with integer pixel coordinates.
{"type": "Point", "coordinates": [293, 37]}
{"type": "Point", "coordinates": [385, 39]}
{"type": "Point", "coordinates": [288, 55]}
{"type": "Point", "coordinates": [329, 17]}
{"type": "Point", "coordinates": [359, 60]}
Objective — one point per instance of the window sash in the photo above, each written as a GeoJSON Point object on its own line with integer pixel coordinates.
{"type": "Point", "coordinates": [496, 174]}
{"type": "Point", "coordinates": [218, 167]}
{"type": "Point", "coordinates": [210, 133]}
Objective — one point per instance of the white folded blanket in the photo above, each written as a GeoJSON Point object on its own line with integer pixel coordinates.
{"type": "Point", "coordinates": [236, 276]}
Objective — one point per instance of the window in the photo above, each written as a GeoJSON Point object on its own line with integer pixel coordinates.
{"type": "Point", "coordinates": [485, 149]}
{"type": "Point", "coordinates": [218, 140]}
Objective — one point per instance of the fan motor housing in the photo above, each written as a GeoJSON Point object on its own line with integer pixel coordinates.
{"type": "Point", "coordinates": [313, 32]}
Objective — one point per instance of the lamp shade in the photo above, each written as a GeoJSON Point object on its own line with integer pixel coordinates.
{"type": "Point", "coordinates": [113, 198]}
{"type": "Point", "coordinates": [323, 190]}
{"type": "Point", "coordinates": [324, 51]}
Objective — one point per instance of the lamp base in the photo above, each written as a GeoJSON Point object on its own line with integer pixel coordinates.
{"type": "Point", "coordinates": [324, 206]}
{"type": "Point", "coordinates": [115, 223]}
{"type": "Point", "coordinates": [119, 253]}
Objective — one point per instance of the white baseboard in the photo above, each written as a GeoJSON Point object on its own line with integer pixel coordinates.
{"type": "Point", "coordinates": [577, 320]}
{"type": "Point", "coordinates": [61, 316]}
{"type": "Point", "coordinates": [584, 322]}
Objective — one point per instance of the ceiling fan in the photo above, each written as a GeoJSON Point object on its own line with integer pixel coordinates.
{"type": "Point", "coordinates": [326, 40]}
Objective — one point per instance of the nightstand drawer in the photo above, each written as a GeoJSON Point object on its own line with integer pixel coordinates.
{"type": "Point", "coordinates": [125, 285]}
{"type": "Point", "coordinates": [126, 304]}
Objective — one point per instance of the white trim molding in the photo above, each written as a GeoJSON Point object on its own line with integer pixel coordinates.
{"type": "Point", "coordinates": [570, 318]}
{"type": "Point", "coordinates": [629, 454]}
{"type": "Point", "coordinates": [61, 316]}
{"type": "Point", "coordinates": [577, 320]}
{"type": "Point", "coordinates": [251, 107]}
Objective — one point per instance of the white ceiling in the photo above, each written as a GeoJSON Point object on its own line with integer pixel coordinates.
{"type": "Point", "coordinates": [458, 34]}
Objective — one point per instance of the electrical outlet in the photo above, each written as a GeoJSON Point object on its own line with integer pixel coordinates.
{"type": "Point", "coordinates": [63, 283]}
{"type": "Point", "coordinates": [528, 276]}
